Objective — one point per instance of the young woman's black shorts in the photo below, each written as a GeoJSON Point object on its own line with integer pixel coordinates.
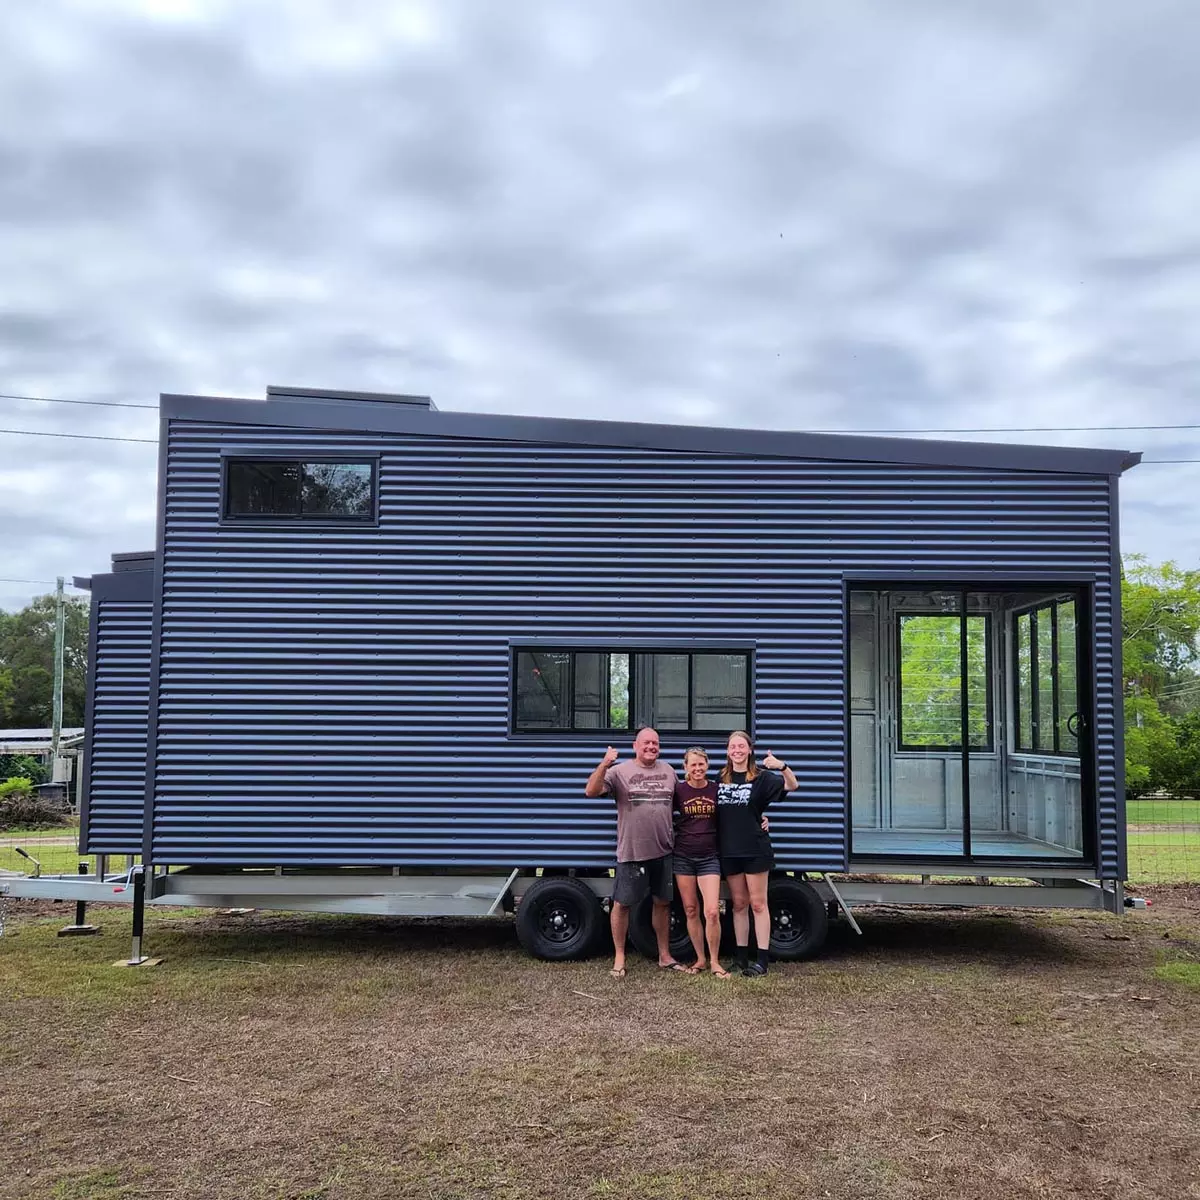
{"type": "Point", "coordinates": [703, 864]}
{"type": "Point", "coordinates": [756, 865]}
{"type": "Point", "coordinates": [634, 880]}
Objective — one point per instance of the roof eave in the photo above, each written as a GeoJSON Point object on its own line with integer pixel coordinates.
{"type": "Point", "coordinates": [345, 414]}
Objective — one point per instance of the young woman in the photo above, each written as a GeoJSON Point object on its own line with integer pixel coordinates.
{"type": "Point", "coordinates": [697, 865]}
{"type": "Point", "coordinates": [744, 792]}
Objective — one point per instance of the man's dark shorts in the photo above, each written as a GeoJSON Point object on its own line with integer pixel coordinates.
{"type": "Point", "coordinates": [636, 880]}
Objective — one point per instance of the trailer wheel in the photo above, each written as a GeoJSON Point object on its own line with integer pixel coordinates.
{"type": "Point", "coordinates": [641, 932]}
{"type": "Point", "coordinates": [558, 919]}
{"type": "Point", "coordinates": [799, 922]}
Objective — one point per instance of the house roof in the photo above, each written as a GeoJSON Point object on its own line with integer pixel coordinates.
{"type": "Point", "coordinates": [381, 413]}
{"type": "Point", "coordinates": [36, 741]}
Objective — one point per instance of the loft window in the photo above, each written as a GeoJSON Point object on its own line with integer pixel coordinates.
{"type": "Point", "coordinates": [1045, 687]}
{"type": "Point", "coordinates": [614, 690]}
{"type": "Point", "coordinates": [304, 490]}
{"type": "Point", "coordinates": [931, 683]}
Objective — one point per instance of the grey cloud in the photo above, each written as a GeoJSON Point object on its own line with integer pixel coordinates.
{"type": "Point", "coordinates": [844, 216]}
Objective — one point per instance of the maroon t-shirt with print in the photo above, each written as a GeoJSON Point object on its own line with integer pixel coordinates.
{"type": "Point", "coordinates": [696, 820]}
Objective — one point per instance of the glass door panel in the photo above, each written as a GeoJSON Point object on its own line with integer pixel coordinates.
{"type": "Point", "coordinates": [1044, 801]}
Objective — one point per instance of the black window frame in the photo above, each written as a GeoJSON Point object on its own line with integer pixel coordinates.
{"type": "Point", "coordinates": [637, 720]}
{"type": "Point", "coordinates": [1034, 713]}
{"type": "Point", "coordinates": [989, 746]}
{"type": "Point", "coordinates": [299, 517]}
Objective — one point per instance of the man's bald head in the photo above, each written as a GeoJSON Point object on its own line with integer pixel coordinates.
{"type": "Point", "coordinates": [645, 746]}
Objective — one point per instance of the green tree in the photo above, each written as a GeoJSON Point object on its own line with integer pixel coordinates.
{"type": "Point", "coordinates": [1161, 627]}
{"type": "Point", "coordinates": [931, 679]}
{"type": "Point", "coordinates": [27, 664]}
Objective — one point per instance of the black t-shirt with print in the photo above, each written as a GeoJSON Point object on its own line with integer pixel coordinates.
{"type": "Point", "coordinates": [740, 806]}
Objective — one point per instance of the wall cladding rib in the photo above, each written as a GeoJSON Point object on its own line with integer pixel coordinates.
{"type": "Point", "coordinates": [341, 696]}
{"type": "Point", "coordinates": [115, 799]}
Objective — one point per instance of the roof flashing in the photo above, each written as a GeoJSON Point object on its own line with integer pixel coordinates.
{"type": "Point", "coordinates": [366, 412]}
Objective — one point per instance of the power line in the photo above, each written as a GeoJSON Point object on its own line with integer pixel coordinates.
{"type": "Point", "coordinates": [98, 437]}
{"type": "Point", "coordinates": [1015, 429]}
{"type": "Point", "coordinates": [82, 403]}
{"type": "Point", "coordinates": [893, 432]}
{"type": "Point", "coordinates": [91, 437]}
{"type": "Point", "coordinates": [47, 582]}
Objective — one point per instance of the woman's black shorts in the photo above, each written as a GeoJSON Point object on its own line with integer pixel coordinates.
{"type": "Point", "coordinates": [757, 864]}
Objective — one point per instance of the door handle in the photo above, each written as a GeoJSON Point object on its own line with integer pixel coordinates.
{"type": "Point", "coordinates": [1074, 724]}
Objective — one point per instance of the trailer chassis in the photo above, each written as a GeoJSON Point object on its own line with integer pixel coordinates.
{"type": "Point", "coordinates": [484, 894]}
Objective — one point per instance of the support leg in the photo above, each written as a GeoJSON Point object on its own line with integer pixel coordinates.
{"type": "Point", "coordinates": [136, 957]}
{"type": "Point", "coordinates": [80, 928]}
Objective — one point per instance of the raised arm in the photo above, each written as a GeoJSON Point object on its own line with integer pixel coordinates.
{"type": "Point", "coordinates": [595, 786]}
{"type": "Point", "coordinates": [772, 763]}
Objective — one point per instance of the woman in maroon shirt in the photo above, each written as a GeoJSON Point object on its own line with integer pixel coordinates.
{"type": "Point", "coordinates": [697, 863]}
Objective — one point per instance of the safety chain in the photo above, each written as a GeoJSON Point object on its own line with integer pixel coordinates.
{"type": "Point", "coordinates": [3, 902]}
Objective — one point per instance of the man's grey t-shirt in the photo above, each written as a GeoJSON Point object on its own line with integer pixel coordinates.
{"type": "Point", "coordinates": [645, 827]}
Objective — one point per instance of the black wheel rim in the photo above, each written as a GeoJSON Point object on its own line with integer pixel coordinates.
{"type": "Point", "coordinates": [786, 928]}
{"type": "Point", "coordinates": [560, 921]}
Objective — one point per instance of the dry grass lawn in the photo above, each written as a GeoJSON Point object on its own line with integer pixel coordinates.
{"type": "Point", "coordinates": [958, 1054]}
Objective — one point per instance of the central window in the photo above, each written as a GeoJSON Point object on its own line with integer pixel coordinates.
{"type": "Point", "coordinates": [564, 690]}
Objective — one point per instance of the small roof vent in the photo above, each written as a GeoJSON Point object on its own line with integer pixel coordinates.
{"type": "Point", "coordinates": [321, 394]}
{"type": "Point", "coordinates": [139, 560]}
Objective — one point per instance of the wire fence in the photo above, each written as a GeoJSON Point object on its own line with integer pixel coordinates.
{"type": "Point", "coordinates": [1163, 838]}
{"type": "Point", "coordinates": [1163, 835]}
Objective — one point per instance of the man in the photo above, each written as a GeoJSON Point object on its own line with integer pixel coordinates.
{"type": "Point", "coordinates": [643, 790]}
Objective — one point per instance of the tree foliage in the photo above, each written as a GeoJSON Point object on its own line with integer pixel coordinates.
{"type": "Point", "coordinates": [27, 664]}
{"type": "Point", "coordinates": [1161, 628]}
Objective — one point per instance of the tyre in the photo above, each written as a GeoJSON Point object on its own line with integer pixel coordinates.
{"type": "Point", "coordinates": [559, 919]}
{"type": "Point", "coordinates": [799, 922]}
{"type": "Point", "coordinates": [641, 932]}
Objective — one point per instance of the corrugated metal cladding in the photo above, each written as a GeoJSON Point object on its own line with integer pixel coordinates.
{"type": "Point", "coordinates": [343, 696]}
{"type": "Point", "coordinates": [116, 764]}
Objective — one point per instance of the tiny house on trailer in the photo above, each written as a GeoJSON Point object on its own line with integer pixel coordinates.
{"type": "Point", "coordinates": [379, 648]}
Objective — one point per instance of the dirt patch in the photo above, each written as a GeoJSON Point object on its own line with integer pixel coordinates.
{"type": "Point", "coordinates": [950, 1055]}
{"type": "Point", "coordinates": [1172, 895]}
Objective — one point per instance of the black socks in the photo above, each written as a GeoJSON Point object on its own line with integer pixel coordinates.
{"type": "Point", "coordinates": [741, 960]}
{"type": "Point", "coordinates": [757, 968]}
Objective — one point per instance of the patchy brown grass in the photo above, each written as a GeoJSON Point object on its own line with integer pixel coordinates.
{"type": "Point", "coordinates": [285, 1057]}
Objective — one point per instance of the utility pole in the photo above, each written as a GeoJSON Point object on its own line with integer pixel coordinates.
{"type": "Point", "coordinates": [59, 640]}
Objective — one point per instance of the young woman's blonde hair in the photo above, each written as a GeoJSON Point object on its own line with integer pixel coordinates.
{"type": "Point", "coordinates": [751, 765]}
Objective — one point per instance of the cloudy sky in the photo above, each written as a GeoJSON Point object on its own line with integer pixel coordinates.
{"type": "Point", "coordinates": [854, 216]}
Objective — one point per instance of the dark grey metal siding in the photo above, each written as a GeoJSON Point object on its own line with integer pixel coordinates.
{"type": "Point", "coordinates": [111, 820]}
{"type": "Point", "coordinates": [341, 696]}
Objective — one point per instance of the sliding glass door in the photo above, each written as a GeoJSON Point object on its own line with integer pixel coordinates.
{"type": "Point", "coordinates": [967, 727]}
